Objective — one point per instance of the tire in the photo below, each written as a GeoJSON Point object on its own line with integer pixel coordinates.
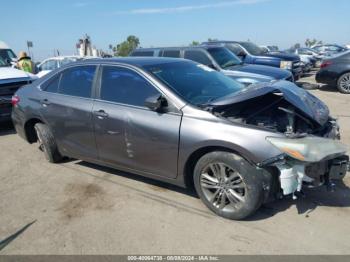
{"type": "Point", "coordinates": [241, 188]}
{"type": "Point", "coordinates": [47, 143]}
{"type": "Point", "coordinates": [343, 83]}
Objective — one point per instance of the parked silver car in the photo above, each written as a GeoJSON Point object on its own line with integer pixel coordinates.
{"type": "Point", "coordinates": [184, 123]}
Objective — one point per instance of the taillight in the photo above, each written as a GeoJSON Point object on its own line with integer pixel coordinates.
{"type": "Point", "coordinates": [325, 64]}
{"type": "Point", "coordinates": [15, 100]}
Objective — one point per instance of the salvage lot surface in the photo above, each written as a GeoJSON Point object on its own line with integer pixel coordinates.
{"type": "Point", "coordinates": [80, 208]}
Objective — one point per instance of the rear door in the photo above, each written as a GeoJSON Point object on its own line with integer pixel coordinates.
{"type": "Point", "coordinates": [130, 135]}
{"type": "Point", "coordinates": [66, 106]}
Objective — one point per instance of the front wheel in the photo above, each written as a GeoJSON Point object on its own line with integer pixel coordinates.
{"type": "Point", "coordinates": [344, 83]}
{"type": "Point", "coordinates": [228, 185]}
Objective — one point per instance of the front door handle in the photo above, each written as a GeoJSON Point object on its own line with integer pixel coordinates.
{"type": "Point", "coordinates": [101, 114]}
{"type": "Point", "coordinates": [45, 102]}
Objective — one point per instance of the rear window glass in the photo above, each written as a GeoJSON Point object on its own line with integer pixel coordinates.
{"type": "Point", "coordinates": [142, 53]}
{"type": "Point", "coordinates": [77, 81]}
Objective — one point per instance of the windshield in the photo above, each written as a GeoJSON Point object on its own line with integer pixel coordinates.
{"type": "Point", "coordinates": [7, 55]}
{"type": "Point", "coordinates": [224, 57]}
{"type": "Point", "coordinates": [252, 48]}
{"type": "Point", "coordinates": [195, 83]}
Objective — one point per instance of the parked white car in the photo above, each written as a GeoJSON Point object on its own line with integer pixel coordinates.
{"type": "Point", "coordinates": [6, 54]}
{"type": "Point", "coordinates": [11, 79]}
{"type": "Point", "coordinates": [53, 63]}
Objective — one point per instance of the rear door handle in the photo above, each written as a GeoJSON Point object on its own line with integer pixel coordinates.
{"type": "Point", "coordinates": [45, 102]}
{"type": "Point", "coordinates": [101, 114]}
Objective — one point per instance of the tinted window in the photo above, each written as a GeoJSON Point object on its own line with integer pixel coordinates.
{"type": "Point", "coordinates": [197, 56]}
{"type": "Point", "coordinates": [171, 53]}
{"type": "Point", "coordinates": [52, 84]}
{"type": "Point", "coordinates": [224, 57]}
{"type": "Point", "coordinates": [125, 86]}
{"type": "Point", "coordinates": [234, 48]}
{"type": "Point", "coordinates": [77, 81]}
{"type": "Point", "coordinates": [252, 48]}
{"type": "Point", "coordinates": [195, 83]}
{"type": "Point", "coordinates": [142, 53]}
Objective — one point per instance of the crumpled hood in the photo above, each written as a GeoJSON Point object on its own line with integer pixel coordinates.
{"type": "Point", "coordinates": [13, 73]}
{"type": "Point", "coordinates": [273, 72]}
{"type": "Point", "coordinates": [307, 103]}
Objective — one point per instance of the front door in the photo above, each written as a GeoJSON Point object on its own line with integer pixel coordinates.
{"type": "Point", "coordinates": [130, 135]}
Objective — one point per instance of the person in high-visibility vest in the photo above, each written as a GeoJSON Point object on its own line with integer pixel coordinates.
{"type": "Point", "coordinates": [25, 63]}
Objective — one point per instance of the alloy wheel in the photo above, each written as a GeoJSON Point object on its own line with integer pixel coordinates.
{"type": "Point", "coordinates": [222, 186]}
{"type": "Point", "coordinates": [344, 83]}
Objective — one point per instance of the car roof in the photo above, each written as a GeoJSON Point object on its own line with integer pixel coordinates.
{"type": "Point", "coordinates": [134, 61]}
{"type": "Point", "coordinates": [223, 42]}
{"type": "Point", "coordinates": [202, 46]}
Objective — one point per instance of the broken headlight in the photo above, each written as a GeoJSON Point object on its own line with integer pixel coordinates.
{"type": "Point", "coordinates": [308, 149]}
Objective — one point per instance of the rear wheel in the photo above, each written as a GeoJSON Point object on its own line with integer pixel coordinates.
{"type": "Point", "coordinates": [344, 83]}
{"type": "Point", "coordinates": [228, 185]}
{"type": "Point", "coordinates": [47, 143]}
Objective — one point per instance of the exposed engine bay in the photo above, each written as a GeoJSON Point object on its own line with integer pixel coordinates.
{"type": "Point", "coordinates": [275, 113]}
{"type": "Point", "coordinates": [312, 154]}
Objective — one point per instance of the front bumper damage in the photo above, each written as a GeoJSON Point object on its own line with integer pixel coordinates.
{"type": "Point", "coordinates": [309, 162]}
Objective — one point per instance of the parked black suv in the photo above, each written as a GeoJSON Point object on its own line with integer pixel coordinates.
{"type": "Point", "coordinates": [220, 59]}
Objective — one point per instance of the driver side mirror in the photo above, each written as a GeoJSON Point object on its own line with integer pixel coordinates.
{"type": "Point", "coordinates": [156, 103]}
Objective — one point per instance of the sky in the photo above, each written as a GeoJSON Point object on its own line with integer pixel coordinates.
{"type": "Point", "coordinates": [59, 24]}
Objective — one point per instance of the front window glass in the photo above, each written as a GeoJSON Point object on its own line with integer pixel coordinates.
{"type": "Point", "coordinates": [122, 85]}
{"type": "Point", "coordinates": [77, 81]}
{"type": "Point", "coordinates": [252, 48]}
{"type": "Point", "coordinates": [195, 83]}
{"type": "Point", "coordinates": [224, 57]}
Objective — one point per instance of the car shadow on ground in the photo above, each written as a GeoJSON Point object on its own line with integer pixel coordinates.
{"type": "Point", "coordinates": [313, 198]}
{"type": "Point", "coordinates": [155, 184]}
{"type": "Point", "coordinates": [6, 128]}
{"type": "Point", "coordinates": [328, 88]}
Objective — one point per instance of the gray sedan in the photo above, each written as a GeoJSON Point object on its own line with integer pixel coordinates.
{"type": "Point", "coordinates": [182, 122]}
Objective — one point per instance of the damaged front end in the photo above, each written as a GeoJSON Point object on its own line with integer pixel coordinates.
{"type": "Point", "coordinates": [311, 153]}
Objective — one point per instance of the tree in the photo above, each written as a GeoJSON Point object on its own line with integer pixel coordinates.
{"type": "Point", "coordinates": [126, 47]}
{"type": "Point", "coordinates": [309, 42]}
{"type": "Point", "coordinates": [295, 46]}
{"type": "Point", "coordinates": [194, 43]}
{"type": "Point", "coordinates": [212, 39]}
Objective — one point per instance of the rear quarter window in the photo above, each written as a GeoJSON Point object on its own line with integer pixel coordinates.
{"type": "Point", "coordinates": [51, 85]}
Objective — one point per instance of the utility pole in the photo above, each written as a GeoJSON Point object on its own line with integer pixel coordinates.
{"type": "Point", "coordinates": [30, 45]}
